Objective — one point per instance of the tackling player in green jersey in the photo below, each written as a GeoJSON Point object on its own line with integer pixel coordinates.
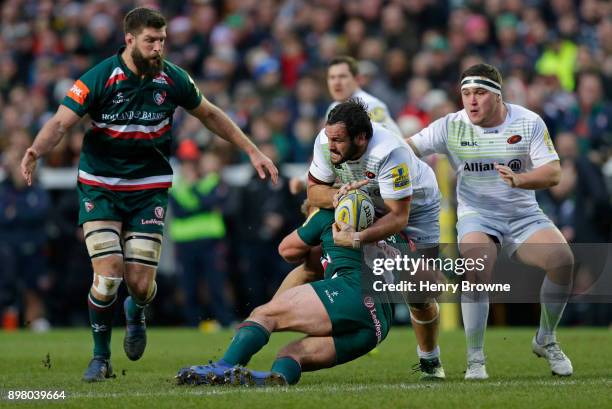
{"type": "Point", "coordinates": [124, 172]}
{"type": "Point", "coordinates": [340, 323]}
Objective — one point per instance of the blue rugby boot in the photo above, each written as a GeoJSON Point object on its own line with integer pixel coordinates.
{"type": "Point", "coordinates": [135, 340]}
{"type": "Point", "coordinates": [99, 369]}
{"type": "Point", "coordinates": [241, 376]}
{"type": "Point", "coordinates": [212, 374]}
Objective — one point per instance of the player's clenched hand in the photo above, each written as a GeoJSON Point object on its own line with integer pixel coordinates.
{"type": "Point", "coordinates": [508, 175]}
{"type": "Point", "coordinates": [343, 234]}
{"type": "Point", "coordinates": [344, 189]}
{"type": "Point", "coordinates": [28, 164]}
{"type": "Point", "coordinates": [263, 165]}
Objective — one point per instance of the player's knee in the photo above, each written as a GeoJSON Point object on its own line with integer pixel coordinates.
{"type": "Point", "coordinates": [103, 243]}
{"type": "Point", "coordinates": [265, 314]}
{"type": "Point", "coordinates": [142, 248]}
{"type": "Point", "coordinates": [143, 290]}
{"type": "Point", "coordinates": [105, 286]}
{"type": "Point", "coordinates": [560, 260]}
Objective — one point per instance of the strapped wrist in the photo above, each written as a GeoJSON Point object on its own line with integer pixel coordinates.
{"type": "Point", "coordinates": [356, 240]}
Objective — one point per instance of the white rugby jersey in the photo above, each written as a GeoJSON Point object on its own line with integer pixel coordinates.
{"type": "Point", "coordinates": [393, 170]}
{"type": "Point", "coordinates": [377, 110]}
{"type": "Point", "coordinates": [522, 143]}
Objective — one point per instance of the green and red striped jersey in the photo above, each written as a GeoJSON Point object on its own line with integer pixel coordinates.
{"type": "Point", "coordinates": [128, 145]}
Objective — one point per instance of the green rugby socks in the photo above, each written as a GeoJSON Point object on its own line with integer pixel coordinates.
{"type": "Point", "coordinates": [101, 320]}
{"type": "Point", "coordinates": [289, 368]}
{"type": "Point", "coordinates": [249, 339]}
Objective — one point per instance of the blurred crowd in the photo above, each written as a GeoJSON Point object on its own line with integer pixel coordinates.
{"type": "Point", "coordinates": [264, 63]}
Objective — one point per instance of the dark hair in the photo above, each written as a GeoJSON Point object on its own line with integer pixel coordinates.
{"type": "Point", "coordinates": [353, 113]}
{"type": "Point", "coordinates": [345, 59]}
{"type": "Point", "coordinates": [483, 70]}
{"type": "Point", "coordinates": [140, 18]}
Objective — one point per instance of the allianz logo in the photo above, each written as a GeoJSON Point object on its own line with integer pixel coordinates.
{"type": "Point", "coordinates": [514, 164]}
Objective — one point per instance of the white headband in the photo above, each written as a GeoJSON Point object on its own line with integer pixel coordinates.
{"type": "Point", "coordinates": [481, 82]}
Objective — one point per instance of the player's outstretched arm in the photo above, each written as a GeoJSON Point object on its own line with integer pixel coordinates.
{"type": "Point", "coordinates": [541, 177]}
{"type": "Point", "coordinates": [50, 134]}
{"type": "Point", "coordinates": [219, 123]}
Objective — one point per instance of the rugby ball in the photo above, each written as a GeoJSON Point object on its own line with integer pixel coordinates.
{"type": "Point", "coordinates": [355, 209]}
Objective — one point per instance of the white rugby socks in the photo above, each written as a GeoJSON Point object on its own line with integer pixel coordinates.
{"type": "Point", "coordinates": [475, 311]}
{"type": "Point", "coordinates": [553, 298]}
{"type": "Point", "coordinates": [429, 355]}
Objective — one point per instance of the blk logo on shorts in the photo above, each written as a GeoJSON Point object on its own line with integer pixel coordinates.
{"type": "Point", "coordinates": [89, 206]}
{"type": "Point", "coordinates": [159, 97]}
{"type": "Point", "coordinates": [159, 212]}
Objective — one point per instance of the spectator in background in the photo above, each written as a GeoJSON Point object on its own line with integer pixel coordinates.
{"type": "Point", "coordinates": [278, 116]}
{"type": "Point", "coordinates": [23, 215]}
{"type": "Point", "coordinates": [293, 59]}
{"type": "Point", "coordinates": [579, 205]}
{"type": "Point", "coordinates": [198, 231]}
{"type": "Point", "coordinates": [478, 33]}
{"type": "Point", "coordinates": [246, 103]}
{"type": "Point", "coordinates": [184, 49]}
{"type": "Point", "coordinates": [604, 33]}
{"type": "Point", "coordinates": [442, 67]}
{"type": "Point", "coordinates": [304, 131]}
{"type": "Point", "coordinates": [397, 31]}
{"type": "Point", "coordinates": [510, 52]}
{"type": "Point", "coordinates": [590, 118]}
{"type": "Point", "coordinates": [413, 115]}
{"type": "Point", "coordinates": [265, 215]}
{"type": "Point", "coordinates": [308, 101]}
{"type": "Point", "coordinates": [265, 69]}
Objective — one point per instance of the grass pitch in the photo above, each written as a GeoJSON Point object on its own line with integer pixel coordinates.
{"type": "Point", "coordinates": [382, 380]}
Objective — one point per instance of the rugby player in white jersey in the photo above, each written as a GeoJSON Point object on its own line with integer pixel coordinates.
{"type": "Point", "coordinates": [342, 84]}
{"type": "Point", "coordinates": [342, 72]}
{"type": "Point", "coordinates": [502, 153]}
{"type": "Point", "coordinates": [405, 193]}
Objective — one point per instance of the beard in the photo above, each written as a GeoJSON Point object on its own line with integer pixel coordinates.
{"type": "Point", "coordinates": [350, 154]}
{"type": "Point", "coordinates": [149, 67]}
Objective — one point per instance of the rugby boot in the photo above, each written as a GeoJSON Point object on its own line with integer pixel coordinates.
{"type": "Point", "coordinates": [476, 370]}
{"type": "Point", "coordinates": [214, 373]}
{"type": "Point", "coordinates": [135, 340]}
{"type": "Point", "coordinates": [241, 376]}
{"type": "Point", "coordinates": [99, 369]}
{"type": "Point", "coordinates": [430, 369]}
{"type": "Point", "coordinates": [559, 363]}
